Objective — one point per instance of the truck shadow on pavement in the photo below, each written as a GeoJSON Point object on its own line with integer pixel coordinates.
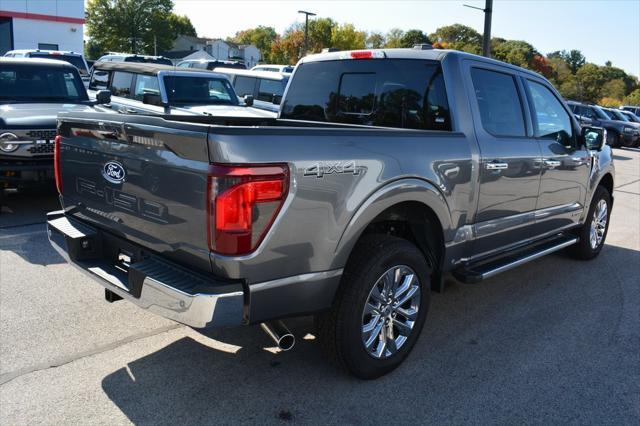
{"type": "Point", "coordinates": [524, 345]}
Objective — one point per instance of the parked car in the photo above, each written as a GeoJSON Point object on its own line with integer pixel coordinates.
{"type": "Point", "coordinates": [266, 87]}
{"type": "Point", "coordinates": [385, 170]}
{"type": "Point", "coordinates": [274, 68]}
{"type": "Point", "coordinates": [131, 57]}
{"type": "Point", "coordinates": [32, 93]}
{"type": "Point", "coordinates": [619, 132]}
{"type": "Point", "coordinates": [632, 108]}
{"type": "Point", "coordinates": [614, 114]}
{"type": "Point", "coordinates": [205, 64]}
{"type": "Point", "coordinates": [74, 58]}
{"type": "Point", "coordinates": [630, 116]}
{"type": "Point", "coordinates": [142, 88]}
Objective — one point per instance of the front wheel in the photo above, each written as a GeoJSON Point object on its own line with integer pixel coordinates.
{"type": "Point", "coordinates": [594, 231]}
{"type": "Point", "coordinates": [380, 308]}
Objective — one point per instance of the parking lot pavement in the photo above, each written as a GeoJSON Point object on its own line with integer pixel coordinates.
{"type": "Point", "coordinates": [555, 341]}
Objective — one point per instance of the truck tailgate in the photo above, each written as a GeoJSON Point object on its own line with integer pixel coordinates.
{"type": "Point", "coordinates": [141, 178]}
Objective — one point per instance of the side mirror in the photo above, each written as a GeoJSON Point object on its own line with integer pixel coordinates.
{"type": "Point", "coordinates": [152, 99]}
{"type": "Point", "coordinates": [103, 97]}
{"type": "Point", "coordinates": [248, 100]}
{"type": "Point", "coordinates": [594, 137]}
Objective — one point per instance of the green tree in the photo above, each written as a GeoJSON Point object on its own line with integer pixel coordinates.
{"type": "Point", "coordinates": [613, 89]}
{"type": "Point", "coordinates": [394, 38]}
{"type": "Point", "coordinates": [575, 59]}
{"type": "Point", "coordinates": [515, 52]}
{"type": "Point", "coordinates": [320, 34]}
{"type": "Point", "coordinates": [92, 50]}
{"type": "Point", "coordinates": [136, 26]}
{"type": "Point", "coordinates": [632, 98]}
{"type": "Point", "coordinates": [413, 37]}
{"type": "Point", "coordinates": [590, 80]}
{"type": "Point", "coordinates": [262, 37]}
{"type": "Point", "coordinates": [375, 40]}
{"type": "Point", "coordinates": [346, 37]}
{"type": "Point", "coordinates": [288, 49]}
{"type": "Point", "coordinates": [458, 37]}
{"type": "Point", "coordinates": [180, 25]}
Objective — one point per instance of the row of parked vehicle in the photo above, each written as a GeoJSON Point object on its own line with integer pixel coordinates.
{"type": "Point", "coordinates": [36, 85]}
{"type": "Point", "coordinates": [622, 125]}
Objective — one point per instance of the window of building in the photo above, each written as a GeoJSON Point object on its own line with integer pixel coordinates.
{"type": "Point", "coordinates": [47, 46]}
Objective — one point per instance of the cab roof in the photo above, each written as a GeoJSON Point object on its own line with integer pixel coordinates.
{"type": "Point", "coordinates": [418, 52]}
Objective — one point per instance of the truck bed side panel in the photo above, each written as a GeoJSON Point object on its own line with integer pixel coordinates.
{"type": "Point", "coordinates": [333, 172]}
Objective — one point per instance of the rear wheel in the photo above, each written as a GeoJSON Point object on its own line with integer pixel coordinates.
{"type": "Point", "coordinates": [380, 308]}
{"type": "Point", "coordinates": [594, 231]}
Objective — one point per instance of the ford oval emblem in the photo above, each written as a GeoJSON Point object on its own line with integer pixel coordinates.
{"type": "Point", "coordinates": [113, 172]}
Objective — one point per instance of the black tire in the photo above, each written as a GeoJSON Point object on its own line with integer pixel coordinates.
{"type": "Point", "coordinates": [584, 249]}
{"type": "Point", "coordinates": [340, 329]}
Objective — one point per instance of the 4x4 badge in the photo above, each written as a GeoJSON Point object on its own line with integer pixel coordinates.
{"type": "Point", "coordinates": [113, 172]}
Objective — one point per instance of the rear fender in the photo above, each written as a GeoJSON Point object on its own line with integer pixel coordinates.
{"type": "Point", "coordinates": [396, 192]}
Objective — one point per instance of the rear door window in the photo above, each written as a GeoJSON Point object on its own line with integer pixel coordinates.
{"type": "Point", "coordinates": [121, 84]}
{"type": "Point", "coordinates": [270, 90]}
{"type": "Point", "coordinates": [244, 85]}
{"type": "Point", "coordinates": [499, 102]}
{"type": "Point", "coordinates": [403, 93]}
{"type": "Point", "coordinates": [145, 84]}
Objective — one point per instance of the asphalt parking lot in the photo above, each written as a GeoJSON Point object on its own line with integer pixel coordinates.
{"type": "Point", "coordinates": [555, 341]}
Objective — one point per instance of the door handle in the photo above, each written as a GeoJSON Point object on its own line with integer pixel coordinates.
{"type": "Point", "coordinates": [552, 163]}
{"type": "Point", "coordinates": [496, 166]}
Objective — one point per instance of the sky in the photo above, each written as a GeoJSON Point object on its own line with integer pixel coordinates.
{"type": "Point", "coordinates": [604, 30]}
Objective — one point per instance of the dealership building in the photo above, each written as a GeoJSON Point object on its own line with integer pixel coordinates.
{"type": "Point", "coordinates": [41, 24]}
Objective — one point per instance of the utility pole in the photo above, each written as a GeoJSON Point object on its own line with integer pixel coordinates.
{"type": "Point", "coordinates": [486, 38]}
{"type": "Point", "coordinates": [306, 29]}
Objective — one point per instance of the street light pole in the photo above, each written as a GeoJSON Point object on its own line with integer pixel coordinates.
{"type": "Point", "coordinates": [486, 38]}
{"type": "Point", "coordinates": [306, 29]}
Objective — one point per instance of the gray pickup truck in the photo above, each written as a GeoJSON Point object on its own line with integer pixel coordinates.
{"type": "Point", "coordinates": [385, 170]}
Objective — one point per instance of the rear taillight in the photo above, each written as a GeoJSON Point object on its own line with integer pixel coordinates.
{"type": "Point", "coordinates": [243, 202]}
{"type": "Point", "coordinates": [56, 163]}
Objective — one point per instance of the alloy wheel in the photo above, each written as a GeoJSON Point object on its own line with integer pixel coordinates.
{"type": "Point", "coordinates": [390, 311]}
{"type": "Point", "coordinates": [598, 224]}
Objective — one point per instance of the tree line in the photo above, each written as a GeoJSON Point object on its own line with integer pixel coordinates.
{"type": "Point", "coordinates": [148, 26]}
{"type": "Point", "coordinates": [572, 75]}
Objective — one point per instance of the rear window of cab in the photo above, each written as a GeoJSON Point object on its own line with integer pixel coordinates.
{"type": "Point", "coordinates": [402, 93]}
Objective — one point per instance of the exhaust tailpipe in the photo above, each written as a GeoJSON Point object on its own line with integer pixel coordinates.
{"type": "Point", "coordinates": [280, 334]}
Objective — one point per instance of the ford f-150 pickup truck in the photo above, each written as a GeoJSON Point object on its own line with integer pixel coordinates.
{"type": "Point", "coordinates": [385, 170]}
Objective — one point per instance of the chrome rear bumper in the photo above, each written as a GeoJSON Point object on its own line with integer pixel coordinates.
{"type": "Point", "coordinates": [151, 283]}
